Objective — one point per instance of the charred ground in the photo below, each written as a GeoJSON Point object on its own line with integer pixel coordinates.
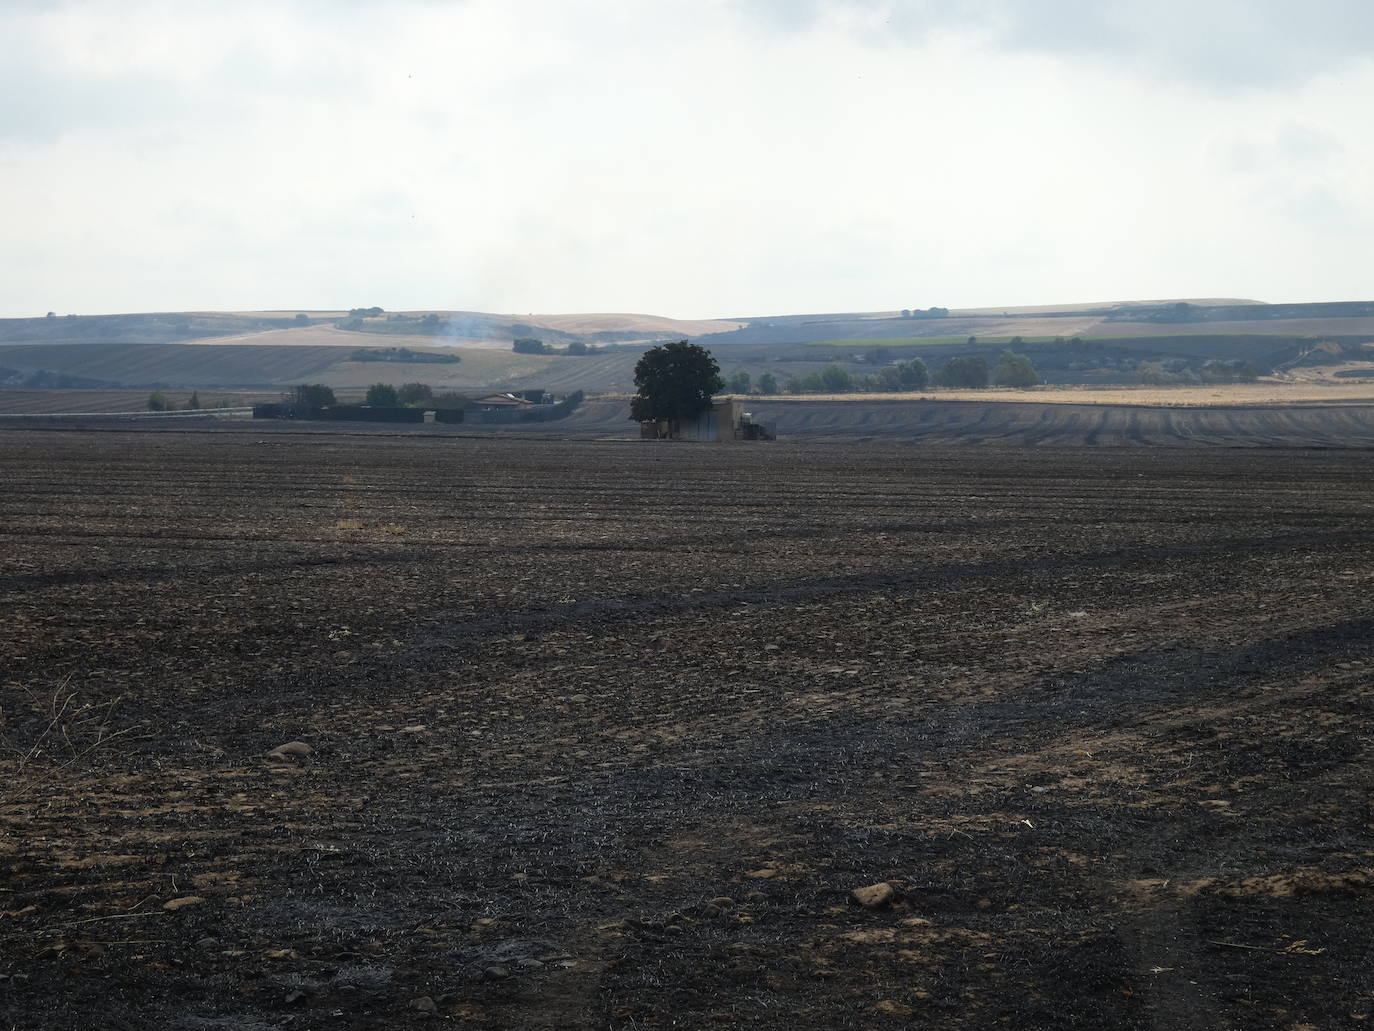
{"type": "Point", "coordinates": [606, 733]}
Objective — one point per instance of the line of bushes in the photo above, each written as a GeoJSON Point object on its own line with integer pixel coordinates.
{"type": "Point", "coordinates": [961, 371]}
{"type": "Point", "coordinates": [402, 354]}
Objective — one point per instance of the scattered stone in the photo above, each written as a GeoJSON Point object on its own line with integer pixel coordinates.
{"type": "Point", "coordinates": [424, 1004]}
{"type": "Point", "coordinates": [529, 964]}
{"type": "Point", "coordinates": [762, 875]}
{"type": "Point", "coordinates": [874, 895]}
{"type": "Point", "coordinates": [579, 698]}
{"type": "Point", "coordinates": [917, 921]}
{"type": "Point", "coordinates": [414, 728]}
{"type": "Point", "coordinates": [173, 905]}
{"type": "Point", "coordinates": [723, 901]}
{"type": "Point", "coordinates": [292, 751]}
{"type": "Point", "coordinates": [208, 943]}
{"type": "Point", "coordinates": [756, 896]}
{"type": "Point", "coordinates": [710, 911]}
{"type": "Point", "coordinates": [496, 972]}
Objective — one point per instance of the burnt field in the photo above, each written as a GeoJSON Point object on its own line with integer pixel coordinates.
{"type": "Point", "coordinates": [604, 734]}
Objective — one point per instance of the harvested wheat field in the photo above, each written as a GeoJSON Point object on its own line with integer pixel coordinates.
{"type": "Point", "coordinates": [611, 735]}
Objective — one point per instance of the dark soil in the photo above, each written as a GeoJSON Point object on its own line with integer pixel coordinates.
{"type": "Point", "coordinates": [606, 733]}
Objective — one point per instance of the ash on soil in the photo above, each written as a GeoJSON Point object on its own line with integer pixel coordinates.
{"type": "Point", "coordinates": [604, 735]}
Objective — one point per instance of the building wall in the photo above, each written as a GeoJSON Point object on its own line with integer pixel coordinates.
{"type": "Point", "coordinates": [721, 422]}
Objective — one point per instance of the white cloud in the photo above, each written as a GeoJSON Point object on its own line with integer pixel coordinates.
{"type": "Point", "coordinates": [693, 159]}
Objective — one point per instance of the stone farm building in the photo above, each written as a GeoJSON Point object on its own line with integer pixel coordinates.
{"type": "Point", "coordinates": [724, 420]}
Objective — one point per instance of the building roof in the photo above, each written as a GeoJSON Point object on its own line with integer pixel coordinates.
{"type": "Point", "coordinates": [503, 401]}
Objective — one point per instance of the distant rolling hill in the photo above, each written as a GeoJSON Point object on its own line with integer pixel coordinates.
{"type": "Point", "coordinates": [437, 327]}
{"type": "Point", "coordinates": [249, 366]}
{"type": "Point", "coordinates": [138, 365]}
{"type": "Point", "coordinates": [1117, 321]}
{"type": "Point", "coordinates": [1074, 343]}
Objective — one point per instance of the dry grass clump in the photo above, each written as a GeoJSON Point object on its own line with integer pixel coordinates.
{"type": "Point", "coordinates": [68, 731]}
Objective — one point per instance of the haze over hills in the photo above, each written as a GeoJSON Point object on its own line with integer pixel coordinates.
{"type": "Point", "coordinates": [1070, 343]}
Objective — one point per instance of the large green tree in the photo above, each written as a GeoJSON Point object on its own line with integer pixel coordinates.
{"type": "Point", "coordinates": [414, 393]}
{"type": "Point", "coordinates": [1015, 370]}
{"type": "Point", "coordinates": [316, 394]}
{"type": "Point", "coordinates": [382, 395]}
{"type": "Point", "coordinates": [969, 370]}
{"type": "Point", "coordinates": [675, 381]}
{"type": "Point", "coordinates": [836, 379]}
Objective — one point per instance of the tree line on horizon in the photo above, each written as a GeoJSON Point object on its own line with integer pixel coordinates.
{"type": "Point", "coordinates": [968, 372]}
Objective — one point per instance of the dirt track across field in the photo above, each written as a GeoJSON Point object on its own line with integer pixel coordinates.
{"type": "Point", "coordinates": [603, 735]}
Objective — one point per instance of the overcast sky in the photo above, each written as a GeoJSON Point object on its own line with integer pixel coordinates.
{"type": "Point", "coordinates": [691, 158]}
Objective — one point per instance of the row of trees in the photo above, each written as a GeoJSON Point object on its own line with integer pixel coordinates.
{"type": "Point", "coordinates": [533, 345]}
{"type": "Point", "coordinates": [411, 395]}
{"type": "Point", "coordinates": [963, 371]}
{"type": "Point", "coordinates": [159, 402]}
{"type": "Point", "coordinates": [1155, 374]}
{"type": "Point", "coordinates": [742, 383]}
{"type": "Point", "coordinates": [379, 395]}
{"type": "Point", "coordinates": [402, 354]}
{"type": "Point", "coordinates": [677, 381]}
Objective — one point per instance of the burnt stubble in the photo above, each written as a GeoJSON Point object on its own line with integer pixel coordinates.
{"type": "Point", "coordinates": [604, 734]}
